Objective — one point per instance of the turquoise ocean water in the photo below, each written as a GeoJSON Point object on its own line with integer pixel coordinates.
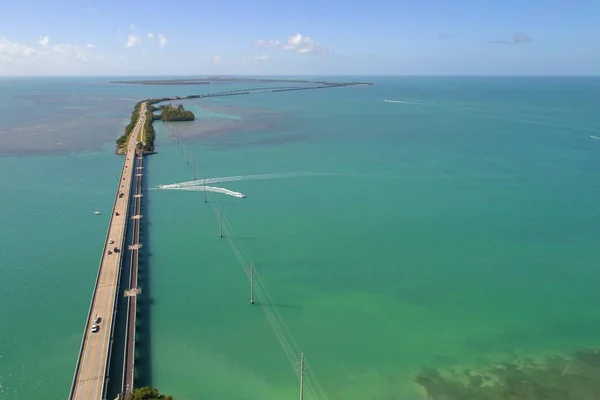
{"type": "Point", "coordinates": [454, 227]}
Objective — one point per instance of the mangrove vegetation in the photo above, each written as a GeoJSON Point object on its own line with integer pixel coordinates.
{"type": "Point", "coordinates": [149, 133]}
{"type": "Point", "coordinates": [147, 393]}
{"type": "Point", "coordinates": [168, 113]}
{"type": "Point", "coordinates": [122, 141]}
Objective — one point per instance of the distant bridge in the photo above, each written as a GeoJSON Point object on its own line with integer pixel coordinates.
{"type": "Point", "coordinates": [321, 85]}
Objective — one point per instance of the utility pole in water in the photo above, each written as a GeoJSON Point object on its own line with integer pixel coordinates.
{"type": "Point", "coordinates": [220, 224]}
{"type": "Point", "coordinates": [251, 283]}
{"type": "Point", "coordinates": [205, 190]}
{"type": "Point", "coordinates": [302, 369]}
{"type": "Point", "coordinates": [194, 169]}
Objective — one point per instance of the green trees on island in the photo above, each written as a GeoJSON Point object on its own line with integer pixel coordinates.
{"type": "Point", "coordinates": [149, 134]}
{"type": "Point", "coordinates": [170, 113]}
{"type": "Point", "coordinates": [122, 141]}
{"type": "Point", "coordinates": [147, 393]}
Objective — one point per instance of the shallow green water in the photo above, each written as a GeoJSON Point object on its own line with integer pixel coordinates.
{"type": "Point", "coordinates": [457, 228]}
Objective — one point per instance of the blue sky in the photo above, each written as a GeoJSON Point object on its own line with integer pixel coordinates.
{"type": "Point", "coordinates": [40, 37]}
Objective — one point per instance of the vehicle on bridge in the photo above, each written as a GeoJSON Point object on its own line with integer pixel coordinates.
{"type": "Point", "coordinates": [95, 328]}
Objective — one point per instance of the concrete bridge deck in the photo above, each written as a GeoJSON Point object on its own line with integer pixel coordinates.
{"type": "Point", "coordinates": [91, 372]}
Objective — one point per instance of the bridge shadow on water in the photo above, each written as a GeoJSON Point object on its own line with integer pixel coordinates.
{"type": "Point", "coordinates": [143, 359]}
{"type": "Point", "coordinates": [118, 347]}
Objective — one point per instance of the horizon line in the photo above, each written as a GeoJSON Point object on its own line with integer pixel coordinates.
{"type": "Point", "coordinates": [311, 75]}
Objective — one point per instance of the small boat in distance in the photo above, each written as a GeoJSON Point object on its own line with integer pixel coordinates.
{"type": "Point", "coordinates": [97, 212]}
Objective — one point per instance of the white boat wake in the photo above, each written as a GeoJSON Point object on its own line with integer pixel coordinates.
{"type": "Point", "coordinates": [200, 185]}
{"type": "Point", "coordinates": [202, 182]}
{"type": "Point", "coordinates": [403, 102]}
{"type": "Point", "coordinates": [595, 137]}
{"type": "Point", "coordinates": [212, 189]}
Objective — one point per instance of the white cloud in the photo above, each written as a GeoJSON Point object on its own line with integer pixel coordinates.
{"type": "Point", "coordinates": [216, 59]}
{"type": "Point", "coordinates": [13, 51]}
{"type": "Point", "coordinates": [162, 40]}
{"type": "Point", "coordinates": [19, 59]}
{"type": "Point", "coordinates": [256, 59]}
{"type": "Point", "coordinates": [72, 51]}
{"type": "Point", "coordinates": [90, 46]}
{"type": "Point", "coordinates": [302, 44]}
{"type": "Point", "coordinates": [133, 40]}
{"type": "Point", "coordinates": [270, 43]}
{"type": "Point", "coordinates": [44, 41]}
{"type": "Point", "coordinates": [297, 43]}
{"type": "Point", "coordinates": [150, 35]}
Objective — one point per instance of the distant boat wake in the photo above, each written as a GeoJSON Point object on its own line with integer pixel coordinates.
{"type": "Point", "coordinates": [200, 185]}
{"type": "Point", "coordinates": [595, 137]}
{"type": "Point", "coordinates": [403, 102]}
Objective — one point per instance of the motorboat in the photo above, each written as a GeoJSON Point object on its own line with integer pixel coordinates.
{"type": "Point", "coordinates": [97, 212]}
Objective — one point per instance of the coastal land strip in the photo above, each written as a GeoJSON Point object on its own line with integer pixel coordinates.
{"type": "Point", "coordinates": [223, 79]}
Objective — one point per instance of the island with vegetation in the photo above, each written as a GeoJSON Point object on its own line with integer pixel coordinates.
{"type": "Point", "coordinates": [168, 113]}
{"type": "Point", "coordinates": [147, 393]}
{"type": "Point", "coordinates": [122, 141]}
